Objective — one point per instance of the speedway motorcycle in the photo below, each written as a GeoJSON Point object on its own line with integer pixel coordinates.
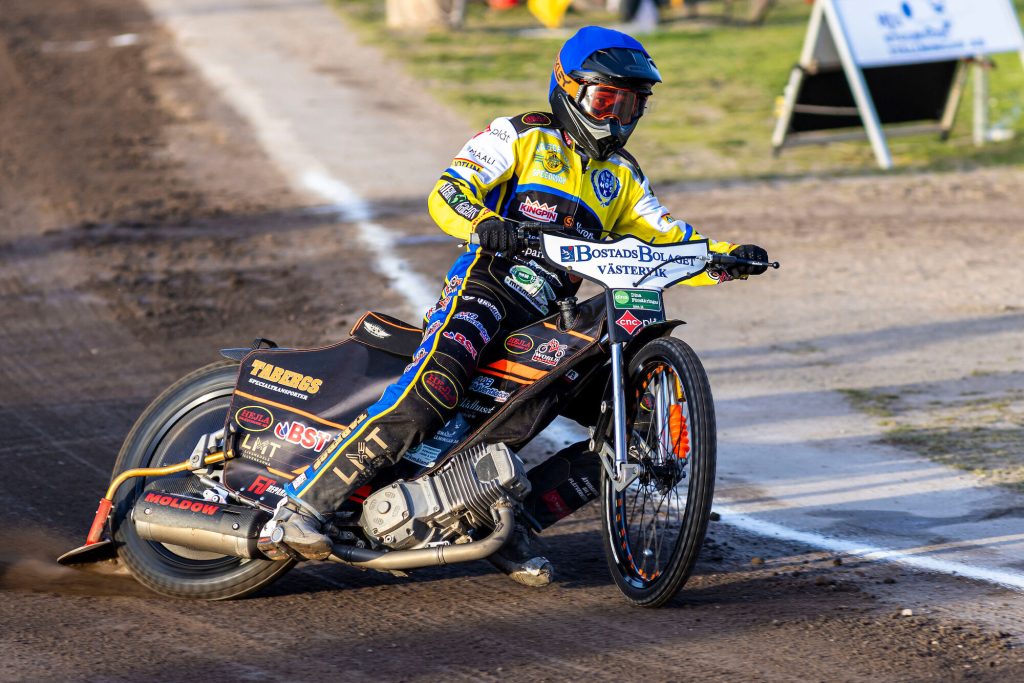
{"type": "Point", "coordinates": [203, 468]}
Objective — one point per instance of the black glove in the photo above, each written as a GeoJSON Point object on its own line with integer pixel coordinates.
{"type": "Point", "coordinates": [497, 235]}
{"type": "Point", "coordinates": [751, 252]}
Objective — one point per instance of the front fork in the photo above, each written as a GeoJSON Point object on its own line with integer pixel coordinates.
{"type": "Point", "coordinates": [621, 472]}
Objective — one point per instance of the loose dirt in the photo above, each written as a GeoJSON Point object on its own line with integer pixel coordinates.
{"type": "Point", "coordinates": [141, 227]}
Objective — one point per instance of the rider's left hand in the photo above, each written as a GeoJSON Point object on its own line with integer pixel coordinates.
{"type": "Point", "coordinates": [751, 252]}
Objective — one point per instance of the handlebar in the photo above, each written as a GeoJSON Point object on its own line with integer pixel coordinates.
{"type": "Point", "coordinates": [529, 233]}
{"type": "Point", "coordinates": [729, 260]}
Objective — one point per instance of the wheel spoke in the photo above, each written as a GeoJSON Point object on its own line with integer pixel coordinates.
{"type": "Point", "coordinates": [653, 515]}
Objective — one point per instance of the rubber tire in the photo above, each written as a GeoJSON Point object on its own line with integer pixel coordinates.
{"type": "Point", "coordinates": [189, 406]}
{"type": "Point", "coordinates": [701, 473]}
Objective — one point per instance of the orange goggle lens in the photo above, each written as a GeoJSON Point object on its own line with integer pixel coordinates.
{"type": "Point", "coordinates": [608, 102]}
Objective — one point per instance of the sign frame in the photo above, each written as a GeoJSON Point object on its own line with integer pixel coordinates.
{"type": "Point", "coordinates": [827, 47]}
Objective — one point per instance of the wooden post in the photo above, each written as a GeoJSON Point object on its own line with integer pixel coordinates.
{"type": "Point", "coordinates": [415, 14]}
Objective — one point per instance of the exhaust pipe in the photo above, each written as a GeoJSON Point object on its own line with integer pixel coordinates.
{"type": "Point", "coordinates": [432, 557]}
{"type": "Point", "coordinates": [199, 524]}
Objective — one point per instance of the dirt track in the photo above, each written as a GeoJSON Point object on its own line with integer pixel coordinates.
{"type": "Point", "coordinates": [140, 229]}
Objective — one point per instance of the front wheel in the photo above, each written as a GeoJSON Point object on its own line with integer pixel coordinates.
{"type": "Point", "coordinates": [654, 529]}
{"type": "Point", "coordinates": [165, 434]}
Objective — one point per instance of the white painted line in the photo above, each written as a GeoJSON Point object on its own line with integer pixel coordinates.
{"type": "Point", "coordinates": [420, 294]}
{"type": "Point", "coordinates": [764, 528]}
{"type": "Point", "coordinates": [123, 40]}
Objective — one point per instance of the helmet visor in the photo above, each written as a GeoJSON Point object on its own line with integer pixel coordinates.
{"type": "Point", "coordinates": [608, 102]}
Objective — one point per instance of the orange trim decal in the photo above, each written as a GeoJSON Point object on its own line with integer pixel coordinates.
{"type": "Point", "coordinates": [493, 373]}
{"type": "Point", "coordinates": [395, 325]}
{"type": "Point", "coordinates": [578, 335]}
{"type": "Point", "coordinates": [514, 368]}
{"type": "Point", "coordinates": [279, 473]}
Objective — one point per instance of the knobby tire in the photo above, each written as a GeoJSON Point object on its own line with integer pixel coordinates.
{"type": "Point", "coordinates": [649, 574]}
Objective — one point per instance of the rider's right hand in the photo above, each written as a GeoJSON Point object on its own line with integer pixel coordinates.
{"type": "Point", "coordinates": [497, 235]}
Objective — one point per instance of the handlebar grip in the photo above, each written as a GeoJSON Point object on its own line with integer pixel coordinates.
{"type": "Point", "coordinates": [729, 260]}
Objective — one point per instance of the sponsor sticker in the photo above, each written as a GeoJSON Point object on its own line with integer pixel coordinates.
{"type": "Point", "coordinates": [474, 320]}
{"type": "Point", "coordinates": [519, 343]}
{"type": "Point", "coordinates": [531, 283]}
{"type": "Point", "coordinates": [642, 299]}
{"type": "Point", "coordinates": [416, 358]}
{"type": "Point", "coordinates": [537, 300]}
{"type": "Point", "coordinates": [466, 163]}
{"type": "Point", "coordinates": [629, 322]}
{"type": "Point", "coordinates": [255, 448]}
{"type": "Point", "coordinates": [467, 211]}
{"type": "Point", "coordinates": [260, 485]}
{"type": "Point", "coordinates": [423, 455]}
{"type": "Point", "coordinates": [486, 304]}
{"type": "Point", "coordinates": [461, 340]}
{"type": "Point", "coordinates": [451, 286]}
{"type": "Point", "coordinates": [538, 211]}
{"type": "Point", "coordinates": [299, 434]}
{"type": "Point", "coordinates": [427, 452]}
{"type": "Point", "coordinates": [553, 162]}
{"type": "Point", "coordinates": [281, 377]}
{"type": "Point", "coordinates": [476, 406]}
{"type": "Point", "coordinates": [606, 186]}
{"type": "Point", "coordinates": [442, 388]}
{"type": "Point", "coordinates": [555, 504]}
{"type": "Point", "coordinates": [502, 135]}
{"type": "Point", "coordinates": [550, 352]}
{"type": "Point", "coordinates": [482, 384]}
{"type": "Point", "coordinates": [187, 504]}
{"type": "Point", "coordinates": [254, 418]}
{"type": "Point", "coordinates": [537, 119]}
{"type": "Point", "coordinates": [431, 329]}
{"type": "Point", "coordinates": [480, 156]}
{"type": "Point", "coordinates": [376, 330]}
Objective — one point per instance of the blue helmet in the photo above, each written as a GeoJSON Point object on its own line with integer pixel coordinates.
{"type": "Point", "coordinates": [599, 88]}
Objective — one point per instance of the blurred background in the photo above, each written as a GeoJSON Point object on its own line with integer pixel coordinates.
{"type": "Point", "coordinates": [725, 64]}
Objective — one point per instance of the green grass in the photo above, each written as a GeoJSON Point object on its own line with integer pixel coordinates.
{"type": "Point", "coordinates": [715, 111]}
{"type": "Point", "coordinates": [983, 435]}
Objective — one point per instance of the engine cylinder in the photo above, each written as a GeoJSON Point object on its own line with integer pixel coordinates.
{"type": "Point", "coordinates": [438, 507]}
{"type": "Point", "coordinates": [199, 524]}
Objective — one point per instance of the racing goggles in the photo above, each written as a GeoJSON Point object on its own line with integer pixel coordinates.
{"type": "Point", "coordinates": [601, 101]}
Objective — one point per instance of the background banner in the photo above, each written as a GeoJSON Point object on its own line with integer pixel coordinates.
{"type": "Point", "coordinates": [892, 32]}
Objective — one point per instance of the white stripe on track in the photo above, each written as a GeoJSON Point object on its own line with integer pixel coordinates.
{"type": "Point", "coordinates": [762, 527]}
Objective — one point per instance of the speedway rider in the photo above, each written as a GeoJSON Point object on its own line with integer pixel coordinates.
{"type": "Point", "coordinates": [567, 168]}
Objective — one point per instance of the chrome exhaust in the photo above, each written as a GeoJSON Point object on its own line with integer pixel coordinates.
{"type": "Point", "coordinates": [398, 560]}
{"type": "Point", "coordinates": [199, 524]}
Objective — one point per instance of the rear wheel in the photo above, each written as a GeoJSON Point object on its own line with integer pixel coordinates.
{"type": "Point", "coordinates": [165, 434]}
{"type": "Point", "coordinates": [654, 529]}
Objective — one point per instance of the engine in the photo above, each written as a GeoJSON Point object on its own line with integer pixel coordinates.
{"type": "Point", "coordinates": [445, 505]}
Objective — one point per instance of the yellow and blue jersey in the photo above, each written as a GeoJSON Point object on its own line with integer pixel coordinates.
{"type": "Point", "coordinates": [527, 168]}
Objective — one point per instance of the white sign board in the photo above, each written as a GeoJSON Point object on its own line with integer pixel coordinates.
{"type": "Point", "coordinates": [894, 32]}
{"type": "Point", "coordinates": [855, 35]}
{"type": "Point", "coordinates": [628, 262]}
